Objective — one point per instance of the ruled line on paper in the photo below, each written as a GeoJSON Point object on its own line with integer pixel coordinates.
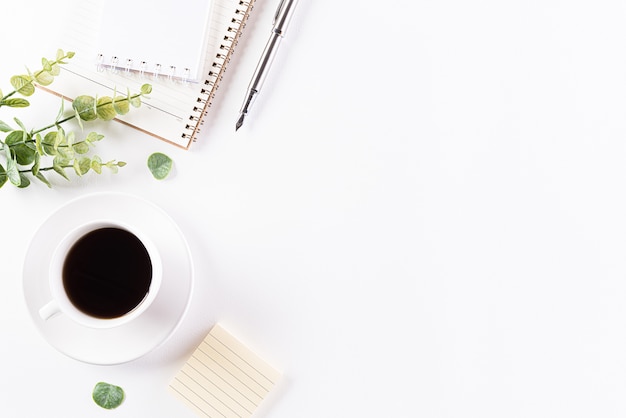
{"type": "Point", "coordinates": [223, 378]}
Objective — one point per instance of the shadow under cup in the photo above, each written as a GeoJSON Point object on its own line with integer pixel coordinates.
{"type": "Point", "coordinates": [103, 275]}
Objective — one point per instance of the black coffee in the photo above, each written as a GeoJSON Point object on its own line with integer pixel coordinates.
{"type": "Point", "coordinates": [107, 272]}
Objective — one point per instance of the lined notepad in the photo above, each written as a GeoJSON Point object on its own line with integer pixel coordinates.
{"type": "Point", "coordinates": [223, 378]}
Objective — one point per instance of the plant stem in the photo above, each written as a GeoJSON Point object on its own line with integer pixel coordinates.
{"type": "Point", "coordinates": [56, 123]}
{"type": "Point", "coordinates": [70, 117]}
{"type": "Point", "coordinates": [46, 168]}
{"type": "Point", "coordinates": [37, 73]}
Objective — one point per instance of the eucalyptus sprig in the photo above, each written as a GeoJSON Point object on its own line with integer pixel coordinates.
{"type": "Point", "coordinates": [29, 153]}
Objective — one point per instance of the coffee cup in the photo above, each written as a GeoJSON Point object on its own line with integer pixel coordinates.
{"type": "Point", "coordinates": [103, 274]}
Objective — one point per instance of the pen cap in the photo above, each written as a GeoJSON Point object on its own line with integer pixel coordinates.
{"type": "Point", "coordinates": [283, 15]}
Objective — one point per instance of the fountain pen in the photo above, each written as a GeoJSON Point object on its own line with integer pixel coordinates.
{"type": "Point", "coordinates": [279, 26]}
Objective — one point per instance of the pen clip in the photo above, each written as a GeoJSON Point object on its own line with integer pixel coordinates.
{"type": "Point", "coordinates": [278, 11]}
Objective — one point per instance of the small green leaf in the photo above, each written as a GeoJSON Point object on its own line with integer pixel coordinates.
{"type": "Point", "coordinates": [105, 109]}
{"type": "Point", "coordinates": [46, 64]}
{"type": "Point", "coordinates": [59, 139]}
{"type": "Point", "coordinates": [82, 165]}
{"type": "Point", "coordinates": [39, 145]}
{"type": "Point", "coordinates": [55, 70]}
{"type": "Point", "coordinates": [13, 172]}
{"type": "Point", "coordinates": [36, 164]}
{"type": "Point", "coordinates": [44, 78]}
{"type": "Point", "coordinates": [85, 107]}
{"type": "Point", "coordinates": [24, 154]}
{"type": "Point", "coordinates": [81, 147]}
{"type": "Point", "coordinates": [4, 127]}
{"type": "Point", "coordinates": [3, 176]}
{"type": "Point", "coordinates": [58, 165]}
{"type": "Point", "coordinates": [48, 143]}
{"type": "Point", "coordinates": [16, 102]}
{"type": "Point", "coordinates": [93, 137]}
{"type": "Point", "coordinates": [134, 101]}
{"type": "Point", "coordinates": [146, 89]}
{"type": "Point", "coordinates": [96, 164]}
{"type": "Point", "coordinates": [23, 84]}
{"type": "Point", "coordinates": [108, 396]}
{"type": "Point", "coordinates": [21, 124]}
{"type": "Point", "coordinates": [121, 105]}
{"type": "Point", "coordinates": [44, 180]}
{"type": "Point", "coordinates": [160, 165]}
{"type": "Point", "coordinates": [24, 182]}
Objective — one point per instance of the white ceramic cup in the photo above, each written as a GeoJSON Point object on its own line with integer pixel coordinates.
{"type": "Point", "coordinates": [61, 303]}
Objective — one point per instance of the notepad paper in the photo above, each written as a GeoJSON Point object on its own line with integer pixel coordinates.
{"type": "Point", "coordinates": [223, 378]}
{"type": "Point", "coordinates": [167, 38]}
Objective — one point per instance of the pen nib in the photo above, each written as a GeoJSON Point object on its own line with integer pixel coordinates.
{"type": "Point", "coordinates": [239, 122]}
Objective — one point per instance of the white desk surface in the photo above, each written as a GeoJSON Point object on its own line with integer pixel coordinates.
{"type": "Point", "coordinates": [423, 216]}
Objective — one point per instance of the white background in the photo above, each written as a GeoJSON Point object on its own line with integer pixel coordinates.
{"type": "Point", "coordinates": [423, 216]}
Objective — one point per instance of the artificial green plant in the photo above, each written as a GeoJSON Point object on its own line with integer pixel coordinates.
{"type": "Point", "coordinates": [27, 154]}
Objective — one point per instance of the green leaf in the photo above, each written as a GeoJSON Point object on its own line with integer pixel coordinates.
{"type": "Point", "coordinates": [39, 145]}
{"type": "Point", "coordinates": [108, 396]}
{"type": "Point", "coordinates": [15, 102]}
{"type": "Point", "coordinates": [23, 152]}
{"type": "Point", "coordinates": [81, 147]}
{"type": "Point", "coordinates": [46, 64]}
{"type": "Point", "coordinates": [96, 164]}
{"type": "Point", "coordinates": [48, 143]}
{"type": "Point", "coordinates": [146, 89]}
{"type": "Point", "coordinates": [61, 111]}
{"type": "Point", "coordinates": [113, 166]}
{"type": "Point", "coordinates": [121, 105]}
{"type": "Point", "coordinates": [3, 176]}
{"type": "Point", "coordinates": [36, 164]}
{"type": "Point", "coordinates": [58, 165]}
{"type": "Point", "coordinates": [21, 125]}
{"type": "Point", "coordinates": [45, 78]}
{"type": "Point", "coordinates": [13, 172]}
{"type": "Point", "coordinates": [59, 139]}
{"type": "Point", "coordinates": [4, 127]}
{"type": "Point", "coordinates": [85, 107]}
{"type": "Point", "coordinates": [55, 70]}
{"type": "Point", "coordinates": [105, 109]}
{"type": "Point", "coordinates": [93, 137]}
{"type": "Point", "coordinates": [82, 165]}
{"type": "Point", "coordinates": [24, 155]}
{"type": "Point", "coordinates": [23, 84]}
{"type": "Point", "coordinates": [160, 165]}
{"type": "Point", "coordinates": [24, 182]}
{"type": "Point", "coordinates": [44, 180]}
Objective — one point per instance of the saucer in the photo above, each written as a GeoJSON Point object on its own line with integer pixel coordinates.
{"type": "Point", "coordinates": [136, 338]}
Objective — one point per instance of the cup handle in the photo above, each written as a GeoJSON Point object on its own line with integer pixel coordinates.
{"type": "Point", "coordinates": [49, 310]}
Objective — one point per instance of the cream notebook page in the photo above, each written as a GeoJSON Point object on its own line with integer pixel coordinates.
{"type": "Point", "coordinates": [223, 378]}
{"type": "Point", "coordinates": [171, 111]}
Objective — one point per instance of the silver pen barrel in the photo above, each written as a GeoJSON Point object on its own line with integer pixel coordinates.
{"type": "Point", "coordinates": [279, 26]}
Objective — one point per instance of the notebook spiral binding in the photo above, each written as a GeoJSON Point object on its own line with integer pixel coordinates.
{"type": "Point", "coordinates": [115, 66]}
{"type": "Point", "coordinates": [218, 68]}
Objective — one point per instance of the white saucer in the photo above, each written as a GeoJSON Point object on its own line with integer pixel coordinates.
{"type": "Point", "coordinates": [132, 340]}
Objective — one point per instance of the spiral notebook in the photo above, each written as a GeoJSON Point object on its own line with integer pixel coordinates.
{"type": "Point", "coordinates": [178, 105]}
